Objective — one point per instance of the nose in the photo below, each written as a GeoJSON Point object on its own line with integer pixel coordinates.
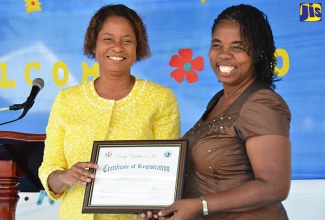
{"type": "Point", "coordinates": [224, 54]}
{"type": "Point", "coordinates": [117, 46]}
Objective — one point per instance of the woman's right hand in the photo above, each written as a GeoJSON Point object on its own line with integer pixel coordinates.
{"type": "Point", "coordinates": [79, 173]}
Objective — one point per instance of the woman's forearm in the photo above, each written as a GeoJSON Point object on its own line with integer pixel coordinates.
{"type": "Point", "coordinates": [56, 181]}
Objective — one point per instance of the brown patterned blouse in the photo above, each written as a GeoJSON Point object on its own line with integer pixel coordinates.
{"type": "Point", "coordinates": [217, 158]}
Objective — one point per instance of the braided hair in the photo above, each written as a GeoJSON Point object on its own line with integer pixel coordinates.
{"type": "Point", "coordinates": [256, 33]}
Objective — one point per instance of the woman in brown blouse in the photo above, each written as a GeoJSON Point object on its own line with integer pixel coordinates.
{"type": "Point", "coordinates": [239, 162]}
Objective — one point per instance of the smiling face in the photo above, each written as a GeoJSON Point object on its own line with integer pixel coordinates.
{"type": "Point", "coordinates": [228, 57]}
{"type": "Point", "coordinates": [116, 45]}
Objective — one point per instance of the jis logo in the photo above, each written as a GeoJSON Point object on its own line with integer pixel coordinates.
{"type": "Point", "coordinates": [310, 12]}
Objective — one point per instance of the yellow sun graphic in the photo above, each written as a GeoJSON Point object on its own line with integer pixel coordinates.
{"type": "Point", "coordinates": [32, 6]}
{"type": "Point", "coordinates": [202, 1]}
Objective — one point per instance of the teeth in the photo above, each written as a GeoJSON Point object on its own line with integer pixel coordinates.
{"type": "Point", "coordinates": [116, 58]}
{"type": "Point", "coordinates": [226, 69]}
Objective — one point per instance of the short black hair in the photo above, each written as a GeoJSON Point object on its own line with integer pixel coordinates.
{"type": "Point", "coordinates": [98, 19]}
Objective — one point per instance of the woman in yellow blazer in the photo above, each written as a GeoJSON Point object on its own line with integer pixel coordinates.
{"type": "Point", "coordinates": [115, 106]}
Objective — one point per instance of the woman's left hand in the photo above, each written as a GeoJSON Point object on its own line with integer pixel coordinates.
{"type": "Point", "coordinates": [181, 209]}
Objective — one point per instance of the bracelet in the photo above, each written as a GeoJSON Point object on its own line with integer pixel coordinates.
{"type": "Point", "coordinates": [205, 205]}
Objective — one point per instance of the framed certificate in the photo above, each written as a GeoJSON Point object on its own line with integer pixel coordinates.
{"type": "Point", "coordinates": [135, 176]}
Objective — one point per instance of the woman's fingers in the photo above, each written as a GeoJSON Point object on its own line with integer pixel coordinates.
{"type": "Point", "coordinates": [80, 174]}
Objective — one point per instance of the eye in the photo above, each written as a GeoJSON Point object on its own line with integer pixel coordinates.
{"type": "Point", "coordinates": [107, 39]}
{"type": "Point", "coordinates": [216, 46]}
{"type": "Point", "coordinates": [238, 48]}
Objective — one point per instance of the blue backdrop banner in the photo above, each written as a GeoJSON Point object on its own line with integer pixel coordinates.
{"type": "Point", "coordinates": [44, 39]}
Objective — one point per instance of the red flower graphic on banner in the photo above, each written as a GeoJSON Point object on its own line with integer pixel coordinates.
{"type": "Point", "coordinates": [186, 66]}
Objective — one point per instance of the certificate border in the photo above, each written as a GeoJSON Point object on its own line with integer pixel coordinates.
{"type": "Point", "coordinates": [181, 143]}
